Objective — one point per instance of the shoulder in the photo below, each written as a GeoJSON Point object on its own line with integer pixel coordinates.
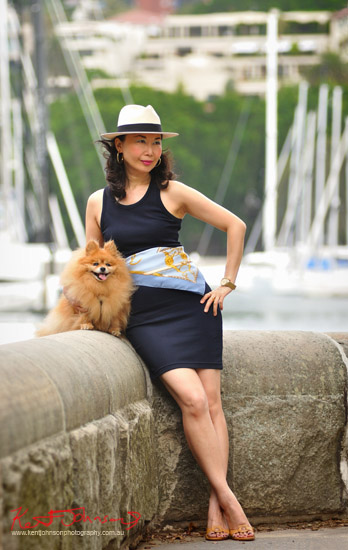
{"type": "Point", "coordinates": [96, 197]}
{"type": "Point", "coordinates": [184, 193]}
{"type": "Point", "coordinates": [95, 204]}
{"type": "Point", "coordinates": [176, 185]}
{"type": "Point", "coordinates": [179, 198]}
{"type": "Point", "coordinates": [179, 189]}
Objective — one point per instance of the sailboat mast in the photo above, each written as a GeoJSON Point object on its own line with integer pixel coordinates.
{"type": "Point", "coordinates": [270, 203]}
{"type": "Point", "coordinates": [40, 138]}
{"type": "Point", "coordinates": [332, 236]}
{"type": "Point", "coordinates": [5, 100]}
{"type": "Point", "coordinates": [320, 172]}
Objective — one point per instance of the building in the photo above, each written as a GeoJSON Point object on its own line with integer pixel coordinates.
{"type": "Point", "coordinates": [339, 34]}
{"type": "Point", "coordinates": [204, 53]}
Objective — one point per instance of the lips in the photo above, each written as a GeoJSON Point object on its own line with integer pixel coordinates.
{"type": "Point", "coordinates": [147, 162]}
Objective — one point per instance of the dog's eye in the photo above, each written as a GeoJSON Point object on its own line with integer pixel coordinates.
{"type": "Point", "coordinates": [109, 265]}
{"type": "Point", "coordinates": [96, 263]}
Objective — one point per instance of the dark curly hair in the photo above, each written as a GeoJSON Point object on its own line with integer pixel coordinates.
{"type": "Point", "coordinates": [116, 173]}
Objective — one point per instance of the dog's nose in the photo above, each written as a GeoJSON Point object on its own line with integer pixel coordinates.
{"type": "Point", "coordinates": [102, 269]}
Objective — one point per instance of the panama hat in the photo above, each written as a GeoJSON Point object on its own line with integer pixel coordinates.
{"type": "Point", "coordinates": [137, 118]}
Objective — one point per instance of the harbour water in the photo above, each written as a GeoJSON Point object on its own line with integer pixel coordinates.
{"type": "Point", "coordinates": [242, 311]}
{"type": "Point", "coordinates": [257, 311]}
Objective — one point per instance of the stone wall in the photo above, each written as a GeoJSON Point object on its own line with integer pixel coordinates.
{"type": "Point", "coordinates": [83, 430]}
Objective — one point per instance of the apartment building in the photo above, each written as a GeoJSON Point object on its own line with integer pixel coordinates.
{"type": "Point", "coordinates": [205, 53]}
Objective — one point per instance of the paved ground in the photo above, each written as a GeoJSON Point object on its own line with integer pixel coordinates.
{"type": "Point", "coordinates": [335, 538]}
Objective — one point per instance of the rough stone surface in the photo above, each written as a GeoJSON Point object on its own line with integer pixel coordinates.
{"type": "Point", "coordinates": [82, 427]}
{"type": "Point", "coordinates": [74, 377]}
{"type": "Point", "coordinates": [104, 469]}
{"type": "Point", "coordinates": [76, 432]}
{"type": "Point", "coordinates": [342, 340]}
{"type": "Point", "coordinates": [24, 393]}
{"type": "Point", "coordinates": [36, 479]}
{"type": "Point", "coordinates": [284, 396]}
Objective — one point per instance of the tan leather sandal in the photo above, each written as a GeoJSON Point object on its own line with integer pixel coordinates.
{"type": "Point", "coordinates": [220, 533]}
{"type": "Point", "coordinates": [243, 532]}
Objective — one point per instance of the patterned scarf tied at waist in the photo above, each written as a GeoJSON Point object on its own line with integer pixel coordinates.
{"type": "Point", "coordinates": [166, 267]}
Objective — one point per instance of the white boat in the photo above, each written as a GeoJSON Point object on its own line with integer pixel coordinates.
{"type": "Point", "coordinates": [29, 276]}
{"type": "Point", "coordinates": [286, 272]}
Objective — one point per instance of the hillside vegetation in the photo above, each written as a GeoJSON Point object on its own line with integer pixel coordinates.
{"type": "Point", "coordinates": [211, 6]}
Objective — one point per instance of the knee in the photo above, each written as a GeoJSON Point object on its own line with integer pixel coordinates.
{"type": "Point", "coordinates": [215, 409]}
{"type": "Point", "coordinates": [196, 404]}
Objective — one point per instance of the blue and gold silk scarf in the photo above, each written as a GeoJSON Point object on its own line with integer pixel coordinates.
{"type": "Point", "coordinates": [166, 267]}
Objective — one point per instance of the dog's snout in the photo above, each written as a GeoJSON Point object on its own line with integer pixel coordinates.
{"type": "Point", "coordinates": [102, 269]}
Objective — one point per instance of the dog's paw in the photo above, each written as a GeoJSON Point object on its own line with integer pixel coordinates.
{"type": "Point", "coordinates": [116, 333]}
{"type": "Point", "coordinates": [87, 326]}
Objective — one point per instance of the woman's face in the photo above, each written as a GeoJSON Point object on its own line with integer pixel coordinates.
{"type": "Point", "coordinates": [141, 152]}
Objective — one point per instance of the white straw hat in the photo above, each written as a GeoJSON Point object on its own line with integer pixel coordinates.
{"type": "Point", "coordinates": [135, 119]}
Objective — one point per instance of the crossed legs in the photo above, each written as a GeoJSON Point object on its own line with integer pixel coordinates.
{"type": "Point", "coordinates": [197, 393]}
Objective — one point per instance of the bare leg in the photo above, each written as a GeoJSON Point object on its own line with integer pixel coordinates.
{"type": "Point", "coordinates": [187, 389]}
{"type": "Point", "coordinates": [210, 379]}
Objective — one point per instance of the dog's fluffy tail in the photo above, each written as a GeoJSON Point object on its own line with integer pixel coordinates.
{"type": "Point", "coordinates": [59, 319]}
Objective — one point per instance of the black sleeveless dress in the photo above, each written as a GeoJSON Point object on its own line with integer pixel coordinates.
{"type": "Point", "coordinates": [167, 328]}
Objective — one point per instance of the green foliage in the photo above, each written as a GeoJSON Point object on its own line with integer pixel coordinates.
{"type": "Point", "coordinates": [206, 133]}
{"type": "Point", "coordinates": [77, 151]}
{"type": "Point", "coordinates": [96, 73]}
{"type": "Point", "coordinates": [112, 7]}
{"type": "Point", "coordinates": [331, 69]}
{"type": "Point", "coordinates": [211, 6]}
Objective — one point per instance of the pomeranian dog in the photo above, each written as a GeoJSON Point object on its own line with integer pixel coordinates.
{"type": "Point", "coordinates": [97, 280]}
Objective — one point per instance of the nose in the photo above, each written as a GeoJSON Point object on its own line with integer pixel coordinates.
{"type": "Point", "coordinates": [149, 149]}
{"type": "Point", "coordinates": [102, 269]}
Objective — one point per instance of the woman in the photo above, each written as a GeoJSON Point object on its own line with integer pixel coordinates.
{"type": "Point", "coordinates": [175, 324]}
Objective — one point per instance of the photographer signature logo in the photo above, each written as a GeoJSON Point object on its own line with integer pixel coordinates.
{"type": "Point", "coordinates": [72, 515]}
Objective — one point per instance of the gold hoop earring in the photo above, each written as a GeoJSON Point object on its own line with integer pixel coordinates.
{"type": "Point", "coordinates": [158, 162]}
{"type": "Point", "coordinates": [118, 158]}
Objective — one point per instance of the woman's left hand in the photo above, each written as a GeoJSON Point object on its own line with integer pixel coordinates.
{"type": "Point", "coordinates": [216, 298]}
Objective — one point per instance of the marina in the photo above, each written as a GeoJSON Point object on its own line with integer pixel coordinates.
{"type": "Point", "coordinates": [242, 311]}
{"type": "Point", "coordinates": [294, 273]}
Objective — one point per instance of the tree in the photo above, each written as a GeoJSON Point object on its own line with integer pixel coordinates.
{"type": "Point", "coordinates": [331, 70]}
{"type": "Point", "coordinates": [211, 6]}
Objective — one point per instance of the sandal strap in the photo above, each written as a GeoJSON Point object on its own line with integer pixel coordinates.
{"type": "Point", "coordinates": [242, 529]}
{"type": "Point", "coordinates": [216, 529]}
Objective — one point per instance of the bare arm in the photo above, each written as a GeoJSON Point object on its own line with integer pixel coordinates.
{"type": "Point", "coordinates": [185, 200]}
{"type": "Point", "coordinates": [93, 213]}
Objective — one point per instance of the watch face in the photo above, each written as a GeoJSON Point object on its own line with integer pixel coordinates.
{"type": "Point", "coordinates": [227, 282]}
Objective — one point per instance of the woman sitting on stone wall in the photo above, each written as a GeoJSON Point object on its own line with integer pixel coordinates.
{"type": "Point", "coordinates": [175, 323]}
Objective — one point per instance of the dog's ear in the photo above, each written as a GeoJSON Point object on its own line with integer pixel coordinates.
{"type": "Point", "coordinates": [111, 247]}
{"type": "Point", "coordinates": [91, 246]}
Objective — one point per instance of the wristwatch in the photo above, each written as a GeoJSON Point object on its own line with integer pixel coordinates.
{"type": "Point", "coordinates": [227, 282]}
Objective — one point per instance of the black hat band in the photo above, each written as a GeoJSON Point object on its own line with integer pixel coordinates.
{"type": "Point", "coordinates": [142, 127]}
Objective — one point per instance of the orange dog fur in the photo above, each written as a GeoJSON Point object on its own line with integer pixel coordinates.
{"type": "Point", "coordinates": [98, 280]}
